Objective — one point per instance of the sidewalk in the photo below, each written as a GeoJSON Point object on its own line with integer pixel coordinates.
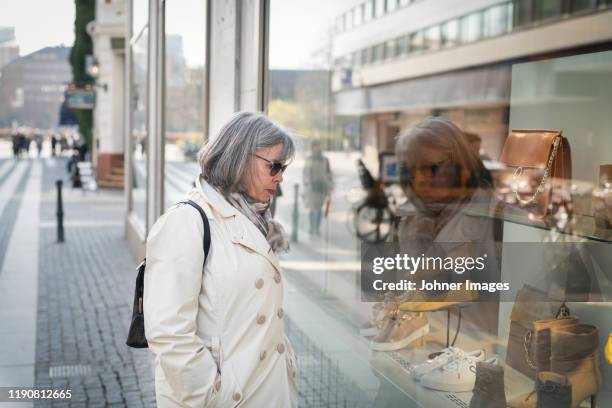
{"type": "Point", "coordinates": [66, 307]}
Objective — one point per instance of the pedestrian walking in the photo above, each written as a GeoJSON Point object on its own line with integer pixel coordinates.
{"type": "Point", "coordinates": [39, 142]}
{"type": "Point", "coordinates": [318, 184]}
{"type": "Point", "coordinates": [15, 141]}
{"type": "Point", "coordinates": [53, 144]}
{"type": "Point", "coordinates": [217, 331]}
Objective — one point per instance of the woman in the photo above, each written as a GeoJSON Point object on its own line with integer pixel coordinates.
{"type": "Point", "coordinates": [217, 332]}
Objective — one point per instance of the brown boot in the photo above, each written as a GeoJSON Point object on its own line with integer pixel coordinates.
{"type": "Point", "coordinates": [554, 390]}
{"type": "Point", "coordinates": [575, 354]}
{"type": "Point", "coordinates": [540, 341]}
{"type": "Point", "coordinates": [489, 386]}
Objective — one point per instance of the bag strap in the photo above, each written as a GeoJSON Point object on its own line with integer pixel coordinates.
{"type": "Point", "coordinates": [206, 225]}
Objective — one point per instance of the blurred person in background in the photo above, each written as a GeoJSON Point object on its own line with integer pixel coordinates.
{"type": "Point", "coordinates": [318, 184]}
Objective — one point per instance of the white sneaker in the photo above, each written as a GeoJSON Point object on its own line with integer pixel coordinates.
{"type": "Point", "coordinates": [458, 375]}
{"type": "Point", "coordinates": [448, 354]}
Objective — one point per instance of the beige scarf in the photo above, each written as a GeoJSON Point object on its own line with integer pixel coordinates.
{"type": "Point", "coordinates": [260, 215]}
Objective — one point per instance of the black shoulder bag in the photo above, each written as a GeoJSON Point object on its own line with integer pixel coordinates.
{"type": "Point", "coordinates": [136, 334]}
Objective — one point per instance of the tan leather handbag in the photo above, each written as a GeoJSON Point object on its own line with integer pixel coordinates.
{"type": "Point", "coordinates": [539, 170]}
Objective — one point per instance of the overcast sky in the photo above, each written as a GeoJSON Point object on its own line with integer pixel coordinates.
{"type": "Point", "coordinates": [298, 27]}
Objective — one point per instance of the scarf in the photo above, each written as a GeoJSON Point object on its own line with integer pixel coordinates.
{"type": "Point", "coordinates": [260, 215]}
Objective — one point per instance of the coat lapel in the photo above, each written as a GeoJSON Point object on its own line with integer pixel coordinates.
{"type": "Point", "coordinates": [242, 230]}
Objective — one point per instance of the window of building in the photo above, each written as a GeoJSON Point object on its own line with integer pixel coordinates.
{"type": "Point", "coordinates": [431, 38]}
{"type": "Point", "coordinates": [523, 12]}
{"type": "Point", "coordinates": [403, 3]}
{"type": "Point", "coordinates": [340, 24]}
{"type": "Point", "coordinates": [580, 6]}
{"type": "Point", "coordinates": [348, 19]}
{"type": "Point", "coordinates": [140, 53]}
{"type": "Point", "coordinates": [450, 33]}
{"type": "Point", "coordinates": [378, 52]}
{"type": "Point", "coordinates": [547, 9]}
{"type": "Point", "coordinates": [368, 10]}
{"type": "Point", "coordinates": [391, 49]}
{"type": "Point", "coordinates": [356, 58]}
{"type": "Point", "coordinates": [471, 27]}
{"type": "Point", "coordinates": [358, 15]}
{"type": "Point", "coordinates": [496, 21]}
{"type": "Point", "coordinates": [416, 42]}
{"type": "Point", "coordinates": [365, 56]}
{"type": "Point", "coordinates": [403, 45]}
{"type": "Point", "coordinates": [391, 5]}
{"type": "Point", "coordinates": [379, 8]}
{"type": "Point", "coordinates": [184, 106]}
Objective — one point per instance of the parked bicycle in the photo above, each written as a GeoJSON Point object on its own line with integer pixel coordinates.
{"type": "Point", "coordinates": [372, 217]}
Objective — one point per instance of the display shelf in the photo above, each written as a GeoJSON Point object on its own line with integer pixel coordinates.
{"type": "Point", "coordinates": [581, 226]}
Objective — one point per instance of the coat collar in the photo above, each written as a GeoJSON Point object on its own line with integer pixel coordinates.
{"type": "Point", "coordinates": [214, 198]}
{"type": "Point", "coordinates": [242, 230]}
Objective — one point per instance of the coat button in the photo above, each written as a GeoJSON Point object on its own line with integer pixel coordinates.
{"type": "Point", "coordinates": [259, 283]}
{"type": "Point", "coordinates": [237, 396]}
{"type": "Point", "coordinates": [261, 319]}
{"type": "Point", "coordinates": [280, 348]}
{"type": "Point", "coordinates": [280, 313]}
{"type": "Point", "coordinates": [262, 355]}
{"type": "Point", "coordinates": [277, 277]}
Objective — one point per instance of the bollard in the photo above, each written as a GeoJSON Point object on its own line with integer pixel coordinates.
{"type": "Point", "coordinates": [60, 212]}
{"type": "Point", "coordinates": [295, 218]}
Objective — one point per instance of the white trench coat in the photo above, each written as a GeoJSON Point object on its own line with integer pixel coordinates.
{"type": "Point", "coordinates": [218, 333]}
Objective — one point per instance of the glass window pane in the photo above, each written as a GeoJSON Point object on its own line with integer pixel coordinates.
{"type": "Point", "coordinates": [391, 5]}
{"type": "Point", "coordinates": [391, 49]}
{"type": "Point", "coordinates": [379, 8]}
{"type": "Point", "coordinates": [578, 6]}
{"type": "Point", "coordinates": [496, 20]}
{"type": "Point", "coordinates": [358, 15]}
{"type": "Point", "coordinates": [139, 49]}
{"type": "Point", "coordinates": [471, 27]}
{"type": "Point", "coordinates": [549, 9]}
{"type": "Point", "coordinates": [379, 52]}
{"type": "Point", "coordinates": [431, 39]}
{"type": "Point", "coordinates": [348, 18]}
{"type": "Point", "coordinates": [450, 33]}
{"type": "Point", "coordinates": [416, 42]}
{"type": "Point", "coordinates": [523, 12]}
{"type": "Point", "coordinates": [403, 45]}
{"type": "Point", "coordinates": [185, 39]}
{"type": "Point", "coordinates": [368, 10]}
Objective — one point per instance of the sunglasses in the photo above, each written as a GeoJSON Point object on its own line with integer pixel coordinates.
{"type": "Point", "coordinates": [275, 167]}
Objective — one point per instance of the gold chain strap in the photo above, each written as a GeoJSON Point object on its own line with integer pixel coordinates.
{"type": "Point", "coordinates": [540, 189]}
{"type": "Point", "coordinates": [526, 347]}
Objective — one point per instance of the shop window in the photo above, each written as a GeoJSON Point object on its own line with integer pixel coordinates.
{"type": "Point", "coordinates": [365, 56]}
{"type": "Point", "coordinates": [431, 38]}
{"type": "Point", "coordinates": [450, 33]}
{"type": "Point", "coordinates": [523, 12]}
{"type": "Point", "coordinates": [416, 42]}
{"type": "Point", "coordinates": [471, 27]}
{"type": "Point", "coordinates": [356, 58]}
{"type": "Point", "coordinates": [184, 133]}
{"type": "Point", "coordinates": [496, 20]}
{"type": "Point", "coordinates": [140, 52]}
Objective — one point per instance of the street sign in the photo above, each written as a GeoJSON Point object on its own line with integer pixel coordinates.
{"type": "Point", "coordinates": [80, 98]}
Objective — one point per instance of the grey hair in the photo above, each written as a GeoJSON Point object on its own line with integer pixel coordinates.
{"type": "Point", "coordinates": [225, 159]}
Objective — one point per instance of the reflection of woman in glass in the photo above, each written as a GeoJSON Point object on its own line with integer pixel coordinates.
{"type": "Point", "coordinates": [441, 175]}
{"type": "Point", "coordinates": [452, 192]}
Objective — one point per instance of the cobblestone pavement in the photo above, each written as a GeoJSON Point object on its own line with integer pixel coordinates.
{"type": "Point", "coordinates": [84, 306]}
